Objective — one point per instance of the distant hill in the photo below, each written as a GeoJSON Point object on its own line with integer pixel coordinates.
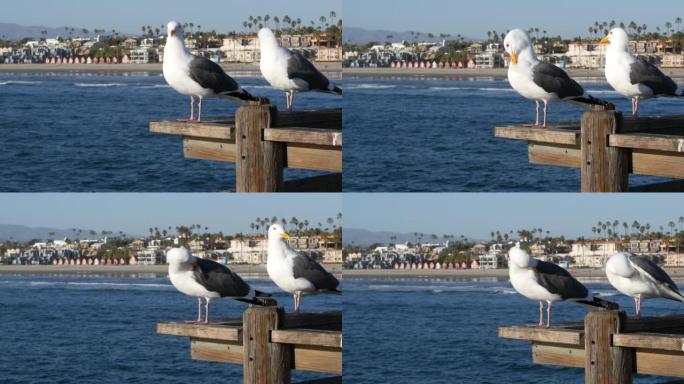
{"type": "Point", "coordinates": [10, 31]}
{"type": "Point", "coordinates": [362, 36]}
{"type": "Point", "coordinates": [363, 237]}
{"type": "Point", "coordinates": [23, 233]}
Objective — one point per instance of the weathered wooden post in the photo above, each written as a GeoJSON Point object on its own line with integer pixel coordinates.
{"type": "Point", "coordinates": [604, 363]}
{"type": "Point", "coordinates": [259, 163]}
{"type": "Point", "coordinates": [604, 168]}
{"type": "Point", "coordinates": [264, 362]}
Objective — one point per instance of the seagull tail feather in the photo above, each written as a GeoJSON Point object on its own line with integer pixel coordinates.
{"type": "Point", "coordinates": [586, 100]}
{"type": "Point", "coordinates": [594, 302]}
{"type": "Point", "coordinates": [241, 95]}
{"type": "Point", "coordinates": [676, 296]}
{"type": "Point", "coordinates": [332, 88]}
{"type": "Point", "coordinates": [255, 297]}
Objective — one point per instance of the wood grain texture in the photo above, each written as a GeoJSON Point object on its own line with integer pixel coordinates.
{"type": "Point", "coordinates": [568, 134]}
{"type": "Point", "coordinates": [655, 163]}
{"type": "Point", "coordinates": [209, 149]}
{"type": "Point", "coordinates": [211, 130]}
{"type": "Point", "coordinates": [665, 342]}
{"type": "Point", "coordinates": [316, 136]}
{"type": "Point", "coordinates": [314, 157]}
{"type": "Point", "coordinates": [552, 335]}
{"type": "Point", "coordinates": [258, 323]}
{"type": "Point", "coordinates": [216, 351]}
{"type": "Point", "coordinates": [603, 362]}
{"type": "Point", "coordinates": [603, 168]}
{"type": "Point", "coordinates": [318, 359]}
{"type": "Point", "coordinates": [204, 331]}
{"type": "Point", "coordinates": [311, 337]}
{"type": "Point", "coordinates": [650, 141]}
{"type": "Point", "coordinates": [657, 362]}
{"type": "Point", "coordinates": [560, 155]}
{"type": "Point", "coordinates": [558, 354]}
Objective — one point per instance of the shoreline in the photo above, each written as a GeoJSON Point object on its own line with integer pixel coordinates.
{"type": "Point", "coordinates": [128, 269]}
{"type": "Point", "coordinates": [329, 67]}
{"type": "Point", "coordinates": [481, 72]}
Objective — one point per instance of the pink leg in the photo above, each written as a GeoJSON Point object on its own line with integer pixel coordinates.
{"type": "Point", "coordinates": [206, 311]}
{"type": "Point", "coordinates": [287, 101]}
{"type": "Point", "coordinates": [537, 120]}
{"type": "Point", "coordinates": [199, 117]}
{"type": "Point", "coordinates": [292, 97]}
{"type": "Point", "coordinates": [199, 312]}
{"type": "Point", "coordinates": [541, 314]}
{"type": "Point", "coordinates": [546, 107]}
{"type": "Point", "coordinates": [548, 315]}
{"type": "Point", "coordinates": [636, 116]}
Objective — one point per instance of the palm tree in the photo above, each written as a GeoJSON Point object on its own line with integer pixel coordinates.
{"type": "Point", "coordinates": [276, 20]}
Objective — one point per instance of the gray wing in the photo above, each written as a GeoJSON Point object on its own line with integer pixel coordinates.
{"type": "Point", "coordinates": [216, 277]}
{"type": "Point", "coordinates": [554, 80]}
{"type": "Point", "coordinates": [651, 268]}
{"type": "Point", "coordinates": [559, 281]}
{"type": "Point", "coordinates": [298, 67]}
{"type": "Point", "coordinates": [306, 267]}
{"type": "Point", "coordinates": [211, 76]}
{"type": "Point", "coordinates": [643, 72]}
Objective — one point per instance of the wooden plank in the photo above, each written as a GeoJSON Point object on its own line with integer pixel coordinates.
{"type": "Point", "coordinates": [216, 351]}
{"type": "Point", "coordinates": [258, 323]}
{"type": "Point", "coordinates": [317, 136]}
{"type": "Point", "coordinates": [561, 155]}
{"type": "Point", "coordinates": [204, 331]}
{"type": "Point", "coordinates": [314, 157]}
{"type": "Point", "coordinates": [655, 163]}
{"type": "Point", "coordinates": [323, 183]}
{"type": "Point", "coordinates": [604, 363]}
{"type": "Point", "coordinates": [310, 337]}
{"type": "Point", "coordinates": [318, 359]}
{"type": "Point", "coordinates": [208, 149]}
{"type": "Point", "coordinates": [322, 118]}
{"type": "Point", "coordinates": [223, 130]}
{"type": "Point", "coordinates": [659, 341]}
{"type": "Point", "coordinates": [603, 168]}
{"type": "Point", "coordinates": [552, 134]}
{"type": "Point", "coordinates": [558, 354]}
{"type": "Point", "coordinates": [665, 143]}
{"type": "Point", "coordinates": [658, 362]}
{"type": "Point", "coordinates": [548, 335]}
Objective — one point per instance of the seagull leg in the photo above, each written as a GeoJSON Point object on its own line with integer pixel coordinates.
{"type": "Point", "coordinates": [199, 312]}
{"type": "Point", "coordinates": [541, 314]}
{"type": "Point", "coordinates": [192, 110]}
{"type": "Point", "coordinates": [206, 311]}
{"type": "Point", "coordinates": [287, 101]}
{"type": "Point", "coordinates": [199, 116]}
{"type": "Point", "coordinates": [292, 97]}
{"type": "Point", "coordinates": [296, 304]}
{"type": "Point", "coordinates": [536, 124]}
{"type": "Point", "coordinates": [636, 116]}
{"type": "Point", "coordinates": [548, 314]}
{"type": "Point", "coordinates": [546, 108]}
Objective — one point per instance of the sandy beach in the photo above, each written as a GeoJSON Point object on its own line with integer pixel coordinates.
{"type": "Point", "coordinates": [496, 72]}
{"type": "Point", "coordinates": [127, 269]}
{"type": "Point", "coordinates": [138, 68]}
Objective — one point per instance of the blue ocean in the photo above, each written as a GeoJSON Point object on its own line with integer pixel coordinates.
{"type": "Point", "coordinates": [433, 330]}
{"type": "Point", "coordinates": [69, 328]}
{"type": "Point", "coordinates": [436, 134]}
{"type": "Point", "coordinates": [88, 132]}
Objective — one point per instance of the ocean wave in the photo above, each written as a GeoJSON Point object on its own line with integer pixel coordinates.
{"type": "Point", "coordinates": [20, 82]}
{"type": "Point", "coordinates": [154, 86]}
{"type": "Point", "coordinates": [437, 288]}
{"type": "Point", "coordinates": [485, 89]}
{"type": "Point", "coordinates": [371, 86]}
{"type": "Point", "coordinates": [118, 285]}
{"type": "Point", "coordinates": [100, 85]}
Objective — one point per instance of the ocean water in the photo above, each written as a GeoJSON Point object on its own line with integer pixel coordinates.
{"type": "Point", "coordinates": [434, 134]}
{"type": "Point", "coordinates": [84, 132]}
{"type": "Point", "coordinates": [445, 331]}
{"type": "Point", "coordinates": [67, 328]}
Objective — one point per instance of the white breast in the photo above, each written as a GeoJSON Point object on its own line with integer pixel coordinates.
{"type": "Point", "coordinates": [185, 282]}
{"type": "Point", "coordinates": [279, 268]}
{"type": "Point", "coordinates": [524, 281]}
{"type": "Point", "coordinates": [521, 79]}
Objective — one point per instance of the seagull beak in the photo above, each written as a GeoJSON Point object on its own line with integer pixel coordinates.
{"type": "Point", "coordinates": [172, 33]}
{"type": "Point", "coordinates": [285, 236]}
{"type": "Point", "coordinates": [605, 40]}
{"type": "Point", "coordinates": [514, 58]}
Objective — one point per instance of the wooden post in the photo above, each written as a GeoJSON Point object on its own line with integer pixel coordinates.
{"type": "Point", "coordinates": [259, 163]}
{"type": "Point", "coordinates": [264, 362]}
{"type": "Point", "coordinates": [605, 364]}
{"type": "Point", "coordinates": [604, 168]}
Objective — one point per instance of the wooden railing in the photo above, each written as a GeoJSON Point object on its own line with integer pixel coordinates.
{"type": "Point", "coordinates": [268, 343]}
{"type": "Point", "coordinates": [608, 148]}
{"type": "Point", "coordinates": [263, 141]}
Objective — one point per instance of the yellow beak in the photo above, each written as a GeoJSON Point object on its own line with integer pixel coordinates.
{"type": "Point", "coordinates": [172, 32]}
{"type": "Point", "coordinates": [605, 40]}
{"type": "Point", "coordinates": [514, 58]}
{"type": "Point", "coordinates": [285, 236]}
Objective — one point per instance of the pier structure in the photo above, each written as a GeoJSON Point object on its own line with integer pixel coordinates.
{"type": "Point", "coordinates": [607, 148]}
{"type": "Point", "coordinates": [263, 141]}
{"type": "Point", "coordinates": [610, 346]}
{"type": "Point", "coordinates": [268, 343]}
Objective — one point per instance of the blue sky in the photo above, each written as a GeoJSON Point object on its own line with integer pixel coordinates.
{"type": "Point", "coordinates": [474, 18]}
{"type": "Point", "coordinates": [135, 213]}
{"type": "Point", "coordinates": [130, 15]}
{"type": "Point", "coordinates": [476, 215]}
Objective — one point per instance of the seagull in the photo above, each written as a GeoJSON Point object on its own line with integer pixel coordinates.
{"type": "Point", "coordinates": [541, 81]}
{"type": "Point", "coordinates": [194, 75]}
{"type": "Point", "coordinates": [631, 76]}
{"type": "Point", "coordinates": [289, 71]}
{"type": "Point", "coordinates": [294, 272]}
{"type": "Point", "coordinates": [546, 282]}
{"type": "Point", "coordinates": [640, 278]}
{"type": "Point", "coordinates": [207, 279]}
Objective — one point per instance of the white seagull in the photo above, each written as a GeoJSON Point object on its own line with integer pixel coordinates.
{"type": "Point", "coordinates": [640, 278]}
{"type": "Point", "coordinates": [207, 279]}
{"type": "Point", "coordinates": [546, 282]}
{"type": "Point", "coordinates": [294, 272]}
{"type": "Point", "coordinates": [538, 80]}
{"type": "Point", "coordinates": [194, 75]}
{"type": "Point", "coordinates": [289, 71]}
{"type": "Point", "coordinates": [631, 76]}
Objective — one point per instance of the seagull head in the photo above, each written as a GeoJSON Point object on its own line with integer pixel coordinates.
{"type": "Point", "coordinates": [516, 42]}
{"type": "Point", "coordinates": [174, 28]}
{"type": "Point", "coordinates": [519, 257]}
{"type": "Point", "coordinates": [276, 232]}
{"type": "Point", "coordinates": [266, 36]}
{"type": "Point", "coordinates": [178, 256]}
{"type": "Point", "coordinates": [618, 264]}
{"type": "Point", "coordinates": [617, 37]}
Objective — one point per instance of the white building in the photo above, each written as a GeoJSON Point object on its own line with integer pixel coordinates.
{"type": "Point", "coordinates": [593, 254]}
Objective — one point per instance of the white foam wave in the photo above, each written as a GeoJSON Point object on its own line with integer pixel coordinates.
{"type": "Point", "coordinates": [120, 285]}
{"type": "Point", "coordinates": [20, 82]}
{"type": "Point", "coordinates": [100, 85]}
{"type": "Point", "coordinates": [438, 288]}
{"type": "Point", "coordinates": [484, 89]}
{"type": "Point", "coordinates": [154, 86]}
{"type": "Point", "coordinates": [371, 86]}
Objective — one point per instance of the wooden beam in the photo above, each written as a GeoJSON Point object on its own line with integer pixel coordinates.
{"type": "Point", "coordinates": [258, 322]}
{"type": "Point", "coordinates": [204, 331]}
{"type": "Point", "coordinates": [604, 363]}
{"type": "Point", "coordinates": [658, 362]}
{"type": "Point", "coordinates": [665, 342]}
{"type": "Point", "coordinates": [560, 155]}
{"type": "Point", "coordinates": [211, 130]}
{"type": "Point", "coordinates": [209, 149]}
{"type": "Point", "coordinates": [558, 354]}
{"type": "Point", "coordinates": [603, 168]}
{"type": "Point", "coordinates": [318, 359]}
{"type": "Point", "coordinates": [310, 337]}
{"type": "Point", "coordinates": [664, 143]}
{"type": "Point", "coordinates": [547, 335]}
{"type": "Point", "coordinates": [656, 163]}
{"type": "Point", "coordinates": [316, 136]}
{"type": "Point", "coordinates": [314, 157]}
{"type": "Point", "coordinates": [216, 351]}
{"type": "Point", "coordinates": [559, 134]}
